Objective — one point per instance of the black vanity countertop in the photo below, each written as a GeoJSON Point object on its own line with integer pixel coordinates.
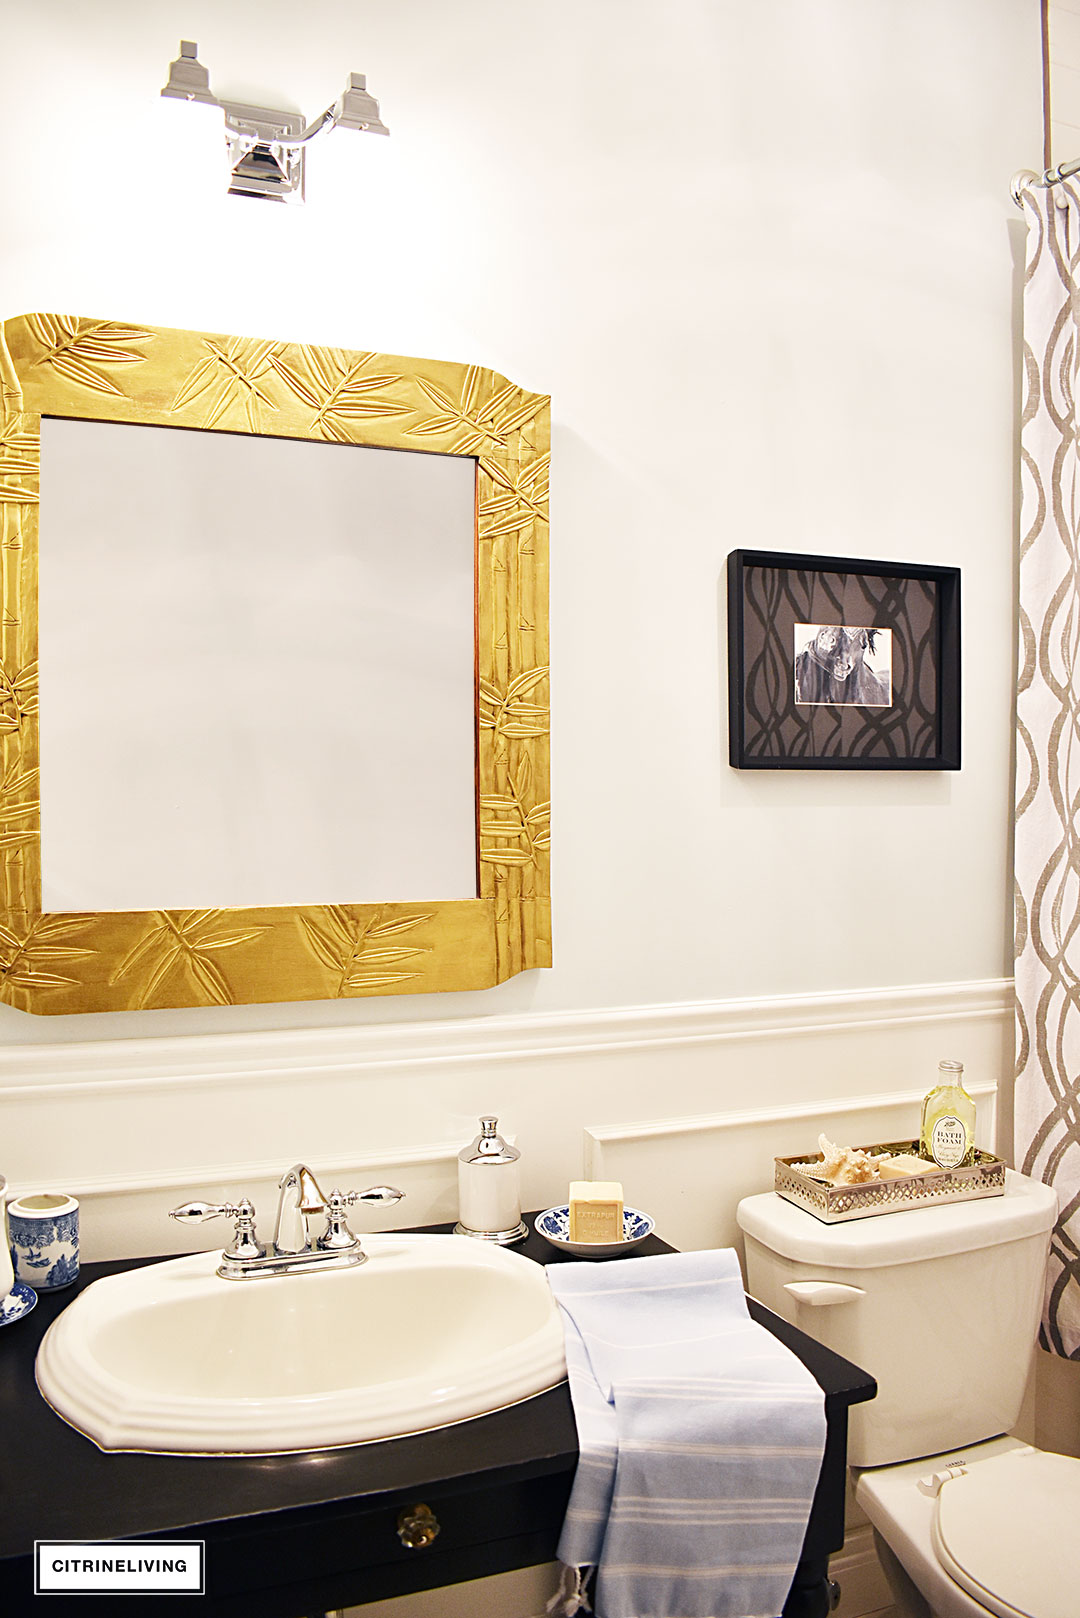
{"type": "Point", "coordinates": [294, 1534]}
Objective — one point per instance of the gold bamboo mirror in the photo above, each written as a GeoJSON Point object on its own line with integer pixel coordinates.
{"type": "Point", "coordinates": [292, 734]}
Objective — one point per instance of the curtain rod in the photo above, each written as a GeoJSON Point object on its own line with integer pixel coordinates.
{"type": "Point", "coordinates": [1027, 177]}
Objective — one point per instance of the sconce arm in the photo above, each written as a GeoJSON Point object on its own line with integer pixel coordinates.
{"type": "Point", "coordinates": [327, 121]}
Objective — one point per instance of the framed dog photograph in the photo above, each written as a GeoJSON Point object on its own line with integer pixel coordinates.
{"type": "Point", "coordinates": [838, 664]}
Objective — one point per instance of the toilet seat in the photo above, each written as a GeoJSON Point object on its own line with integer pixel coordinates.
{"type": "Point", "coordinates": [902, 1502]}
{"type": "Point", "coordinates": [1005, 1531]}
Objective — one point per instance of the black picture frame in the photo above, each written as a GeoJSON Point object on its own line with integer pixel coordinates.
{"type": "Point", "coordinates": [908, 721]}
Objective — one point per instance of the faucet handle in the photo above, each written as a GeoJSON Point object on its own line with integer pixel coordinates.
{"type": "Point", "coordinates": [374, 1195]}
{"type": "Point", "coordinates": [196, 1213]}
{"type": "Point", "coordinates": [245, 1243]}
{"type": "Point", "coordinates": [337, 1235]}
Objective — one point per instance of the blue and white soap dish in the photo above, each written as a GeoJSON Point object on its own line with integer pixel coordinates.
{"type": "Point", "coordinates": [554, 1226]}
{"type": "Point", "coordinates": [19, 1301]}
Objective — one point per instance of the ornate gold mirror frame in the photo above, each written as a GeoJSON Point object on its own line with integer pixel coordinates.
{"type": "Point", "coordinates": [57, 365]}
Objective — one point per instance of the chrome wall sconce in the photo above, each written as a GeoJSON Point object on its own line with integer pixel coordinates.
{"type": "Point", "coordinates": [267, 149]}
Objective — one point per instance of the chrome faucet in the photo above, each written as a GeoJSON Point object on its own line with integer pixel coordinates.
{"type": "Point", "coordinates": [298, 1196]}
{"type": "Point", "coordinates": [292, 1249]}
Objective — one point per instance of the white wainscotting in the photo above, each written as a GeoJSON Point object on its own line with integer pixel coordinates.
{"type": "Point", "coordinates": [687, 1104]}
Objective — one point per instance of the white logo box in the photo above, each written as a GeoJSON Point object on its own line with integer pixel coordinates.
{"type": "Point", "coordinates": [137, 1567]}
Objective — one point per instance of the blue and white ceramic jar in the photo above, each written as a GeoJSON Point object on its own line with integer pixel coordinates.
{"type": "Point", "coordinates": [44, 1231]}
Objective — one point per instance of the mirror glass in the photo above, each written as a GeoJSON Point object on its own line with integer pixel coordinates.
{"type": "Point", "coordinates": [258, 670]}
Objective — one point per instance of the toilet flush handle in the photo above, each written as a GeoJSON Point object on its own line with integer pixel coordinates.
{"type": "Point", "coordinates": [819, 1293]}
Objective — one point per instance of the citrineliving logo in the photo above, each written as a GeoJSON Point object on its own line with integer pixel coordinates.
{"type": "Point", "coordinates": [134, 1567]}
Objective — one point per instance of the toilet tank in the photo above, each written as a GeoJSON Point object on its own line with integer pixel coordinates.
{"type": "Point", "coordinates": [941, 1305]}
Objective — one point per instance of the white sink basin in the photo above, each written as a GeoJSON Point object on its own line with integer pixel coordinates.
{"type": "Point", "coordinates": [431, 1330]}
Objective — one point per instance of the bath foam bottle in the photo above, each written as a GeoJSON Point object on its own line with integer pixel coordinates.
{"type": "Point", "coordinates": [947, 1136]}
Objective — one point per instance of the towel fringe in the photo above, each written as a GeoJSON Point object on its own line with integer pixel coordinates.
{"type": "Point", "coordinates": [570, 1597]}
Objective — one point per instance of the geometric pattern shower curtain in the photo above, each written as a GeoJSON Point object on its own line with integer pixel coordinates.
{"type": "Point", "coordinates": [1047, 1109]}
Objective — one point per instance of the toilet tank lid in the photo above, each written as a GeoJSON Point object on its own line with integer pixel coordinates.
{"type": "Point", "coordinates": [1027, 1208]}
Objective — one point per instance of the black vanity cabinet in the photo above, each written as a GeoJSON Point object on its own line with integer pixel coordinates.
{"type": "Point", "coordinates": [290, 1535]}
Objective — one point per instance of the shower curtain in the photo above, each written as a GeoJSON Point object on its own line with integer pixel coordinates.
{"type": "Point", "coordinates": [1047, 1107]}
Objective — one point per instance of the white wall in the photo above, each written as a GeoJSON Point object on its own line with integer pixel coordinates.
{"type": "Point", "coordinates": [1063, 51]}
{"type": "Point", "coordinates": [764, 260]}
{"type": "Point", "coordinates": [763, 257]}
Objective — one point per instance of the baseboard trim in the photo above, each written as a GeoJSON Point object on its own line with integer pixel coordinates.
{"type": "Point", "coordinates": [864, 1589]}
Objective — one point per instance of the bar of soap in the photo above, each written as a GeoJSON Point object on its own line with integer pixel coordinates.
{"type": "Point", "coordinates": [596, 1211]}
{"type": "Point", "coordinates": [896, 1168]}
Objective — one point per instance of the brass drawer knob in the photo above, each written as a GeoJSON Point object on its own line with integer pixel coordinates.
{"type": "Point", "coordinates": [416, 1527]}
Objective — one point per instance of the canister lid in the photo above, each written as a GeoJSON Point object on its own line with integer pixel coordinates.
{"type": "Point", "coordinates": [489, 1146]}
{"type": "Point", "coordinates": [1027, 1208]}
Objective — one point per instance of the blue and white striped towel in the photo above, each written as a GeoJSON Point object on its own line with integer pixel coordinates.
{"type": "Point", "coordinates": [700, 1439]}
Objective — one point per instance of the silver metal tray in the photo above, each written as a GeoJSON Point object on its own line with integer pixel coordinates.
{"type": "Point", "coordinates": [834, 1203]}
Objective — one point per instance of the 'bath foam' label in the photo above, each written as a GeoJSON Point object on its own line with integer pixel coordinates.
{"type": "Point", "coordinates": [149, 1567]}
{"type": "Point", "coordinates": [948, 1142]}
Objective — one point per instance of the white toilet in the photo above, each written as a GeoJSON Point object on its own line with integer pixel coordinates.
{"type": "Point", "coordinates": [941, 1305]}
